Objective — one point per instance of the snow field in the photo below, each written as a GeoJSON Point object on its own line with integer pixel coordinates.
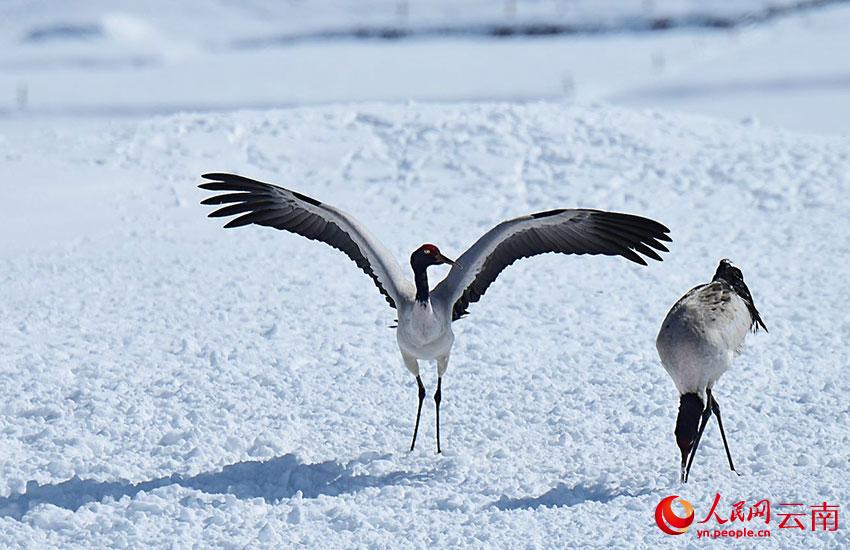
{"type": "Point", "coordinates": [169, 382]}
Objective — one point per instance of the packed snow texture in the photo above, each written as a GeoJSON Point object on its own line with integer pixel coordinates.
{"type": "Point", "coordinates": [168, 382]}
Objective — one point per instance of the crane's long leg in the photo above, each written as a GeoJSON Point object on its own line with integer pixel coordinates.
{"type": "Point", "coordinates": [418, 410]}
{"type": "Point", "coordinates": [438, 396]}
{"type": "Point", "coordinates": [705, 416]}
{"type": "Point", "coordinates": [715, 408]}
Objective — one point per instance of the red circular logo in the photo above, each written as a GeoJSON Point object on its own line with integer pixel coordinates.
{"type": "Point", "coordinates": [667, 519]}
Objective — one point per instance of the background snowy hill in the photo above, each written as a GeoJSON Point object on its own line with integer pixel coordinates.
{"type": "Point", "coordinates": [108, 59]}
{"type": "Point", "coordinates": [170, 383]}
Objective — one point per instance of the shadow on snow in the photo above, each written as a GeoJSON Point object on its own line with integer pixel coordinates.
{"type": "Point", "coordinates": [272, 480]}
{"type": "Point", "coordinates": [562, 495]}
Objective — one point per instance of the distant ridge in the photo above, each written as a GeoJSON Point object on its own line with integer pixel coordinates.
{"type": "Point", "coordinates": [541, 28]}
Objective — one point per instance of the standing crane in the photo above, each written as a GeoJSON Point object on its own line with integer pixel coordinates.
{"type": "Point", "coordinates": [425, 316]}
{"type": "Point", "coordinates": [698, 339]}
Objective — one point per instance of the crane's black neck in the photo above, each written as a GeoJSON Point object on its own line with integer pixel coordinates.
{"type": "Point", "coordinates": [420, 277]}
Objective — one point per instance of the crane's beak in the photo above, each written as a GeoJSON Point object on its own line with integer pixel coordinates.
{"type": "Point", "coordinates": [443, 260]}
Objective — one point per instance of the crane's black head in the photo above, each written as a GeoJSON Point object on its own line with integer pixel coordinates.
{"type": "Point", "coordinates": [427, 255]}
{"type": "Point", "coordinates": [691, 408]}
{"type": "Point", "coordinates": [729, 273]}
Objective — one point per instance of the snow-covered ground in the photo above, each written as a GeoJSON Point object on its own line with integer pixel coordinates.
{"type": "Point", "coordinates": [166, 381]}
{"type": "Point", "coordinates": [169, 383]}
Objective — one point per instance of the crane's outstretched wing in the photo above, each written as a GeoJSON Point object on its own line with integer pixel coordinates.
{"type": "Point", "coordinates": [266, 204]}
{"type": "Point", "coordinates": [568, 231]}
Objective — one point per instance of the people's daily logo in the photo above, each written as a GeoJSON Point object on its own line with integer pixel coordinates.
{"type": "Point", "coordinates": [741, 519]}
{"type": "Point", "coordinates": [669, 521]}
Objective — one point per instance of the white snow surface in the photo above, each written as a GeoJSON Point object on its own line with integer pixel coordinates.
{"type": "Point", "coordinates": [167, 382]}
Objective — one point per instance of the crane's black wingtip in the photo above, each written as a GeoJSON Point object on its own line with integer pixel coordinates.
{"type": "Point", "coordinates": [223, 178]}
{"type": "Point", "coordinates": [659, 229]}
{"type": "Point", "coordinates": [238, 222]}
{"type": "Point", "coordinates": [217, 176]}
